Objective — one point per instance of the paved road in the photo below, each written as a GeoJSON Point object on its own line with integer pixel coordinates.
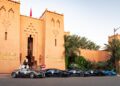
{"type": "Point", "coordinates": [74, 81]}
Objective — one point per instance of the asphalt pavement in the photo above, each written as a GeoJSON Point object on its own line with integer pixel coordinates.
{"type": "Point", "coordinates": [71, 81]}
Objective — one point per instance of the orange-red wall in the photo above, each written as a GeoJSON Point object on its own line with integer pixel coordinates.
{"type": "Point", "coordinates": [95, 55]}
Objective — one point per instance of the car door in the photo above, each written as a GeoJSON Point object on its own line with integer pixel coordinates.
{"type": "Point", "coordinates": [57, 73]}
{"type": "Point", "coordinates": [50, 73]}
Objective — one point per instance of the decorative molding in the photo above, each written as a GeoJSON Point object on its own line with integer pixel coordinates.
{"type": "Point", "coordinates": [6, 17]}
{"type": "Point", "coordinates": [30, 29]}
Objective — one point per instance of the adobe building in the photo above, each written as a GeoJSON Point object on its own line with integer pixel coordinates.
{"type": "Point", "coordinates": [116, 36]}
{"type": "Point", "coordinates": [40, 41]}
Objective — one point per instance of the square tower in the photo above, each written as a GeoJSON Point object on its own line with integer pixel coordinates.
{"type": "Point", "coordinates": [9, 35]}
{"type": "Point", "coordinates": [54, 52]}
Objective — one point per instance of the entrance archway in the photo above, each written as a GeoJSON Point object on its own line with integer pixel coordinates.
{"type": "Point", "coordinates": [30, 51]}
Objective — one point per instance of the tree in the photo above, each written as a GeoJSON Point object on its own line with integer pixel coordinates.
{"type": "Point", "coordinates": [87, 44]}
{"type": "Point", "coordinates": [71, 48]}
{"type": "Point", "coordinates": [83, 63]}
{"type": "Point", "coordinates": [73, 43]}
{"type": "Point", "coordinates": [93, 46]}
{"type": "Point", "coordinates": [99, 65]}
{"type": "Point", "coordinates": [114, 48]}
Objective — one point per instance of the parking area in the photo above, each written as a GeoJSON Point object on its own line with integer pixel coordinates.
{"type": "Point", "coordinates": [6, 80]}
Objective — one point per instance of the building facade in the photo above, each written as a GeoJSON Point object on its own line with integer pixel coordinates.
{"type": "Point", "coordinates": [40, 41]}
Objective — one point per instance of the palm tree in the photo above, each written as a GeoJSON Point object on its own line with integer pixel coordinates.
{"type": "Point", "coordinates": [83, 43]}
{"type": "Point", "coordinates": [92, 46]}
{"type": "Point", "coordinates": [72, 44]}
{"type": "Point", "coordinates": [87, 44]}
{"type": "Point", "coordinates": [71, 48]}
{"type": "Point", "coordinates": [114, 48]}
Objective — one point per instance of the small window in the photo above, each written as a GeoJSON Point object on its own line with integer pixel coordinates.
{"type": "Point", "coordinates": [55, 42]}
{"type": "Point", "coordinates": [5, 35]}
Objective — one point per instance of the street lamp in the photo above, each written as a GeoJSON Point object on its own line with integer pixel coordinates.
{"type": "Point", "coordinates": [115, 29]}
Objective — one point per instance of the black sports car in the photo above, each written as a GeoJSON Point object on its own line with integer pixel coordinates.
{"type": "Point", "coordinates": [76, 72]}
{"type": "Point", "coordinates": [56, 73]}
{"type": "Point", "coordinates": [27, 73]}
{"type": "Point", "coordinates": [94, 73]}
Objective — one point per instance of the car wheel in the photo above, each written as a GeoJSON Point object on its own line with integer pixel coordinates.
{"type": "Point", "coordinates": [14, 75]}
{"type": "Point", "coordinates": [82, 75]}
{"type": "Point", "coordinates": [43, 75]}
{"type": "Point", "coordinates": [32, 75]}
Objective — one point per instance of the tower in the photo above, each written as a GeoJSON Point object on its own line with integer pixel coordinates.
{"type": "Point", "coordinates": [54, 40]}
{"type": "Point", "coordinates": [9, 35]}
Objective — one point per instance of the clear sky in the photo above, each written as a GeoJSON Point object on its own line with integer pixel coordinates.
{"type": "Point", "coordinates": [94, 19]}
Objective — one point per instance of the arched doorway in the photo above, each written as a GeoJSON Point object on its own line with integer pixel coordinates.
{"type": "Point", "coordinates": [30, 51]}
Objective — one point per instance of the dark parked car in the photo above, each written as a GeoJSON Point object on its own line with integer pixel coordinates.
{"type": "Point", "coordinates": [27, 73]}
{"type": "Point", "coordinates": [94, 73]}
{"type": "Point", "coordinates": [87, 73]}
{"type": "Point", "coordinates": [99, 73]}
{"type": "Point", "coordinates": [75, 72]}
{"type": "Point", "coordinates": [56, 73]}
{"type": "Point", "coordinates": [109, 73]}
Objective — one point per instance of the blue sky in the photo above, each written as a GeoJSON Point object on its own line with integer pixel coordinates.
{"type": "Point", "coordinates": [94, 19]}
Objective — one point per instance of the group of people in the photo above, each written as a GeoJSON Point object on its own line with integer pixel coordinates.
{"type": "Point", "coordinates": [24, 65]}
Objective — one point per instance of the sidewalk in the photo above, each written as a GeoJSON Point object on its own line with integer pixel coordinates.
{"type": "Point", "coordinates": [4, 75]}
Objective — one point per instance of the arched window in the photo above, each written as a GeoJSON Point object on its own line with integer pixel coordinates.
{"type": "Point", "coordinates": [58, 23]}
{"type": "Point", "coordinates": [10, 13]}
{"type": "Point", "coordinates": [55, 42]}
{"type": "Point", "coordinates": [11, 10]}
{"type": "Point", "coordinates": [2, 8]}
{"type": "Point", "coordinates": [2, 11]}
{"type": "Point", "coordinates": [53, 22]}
